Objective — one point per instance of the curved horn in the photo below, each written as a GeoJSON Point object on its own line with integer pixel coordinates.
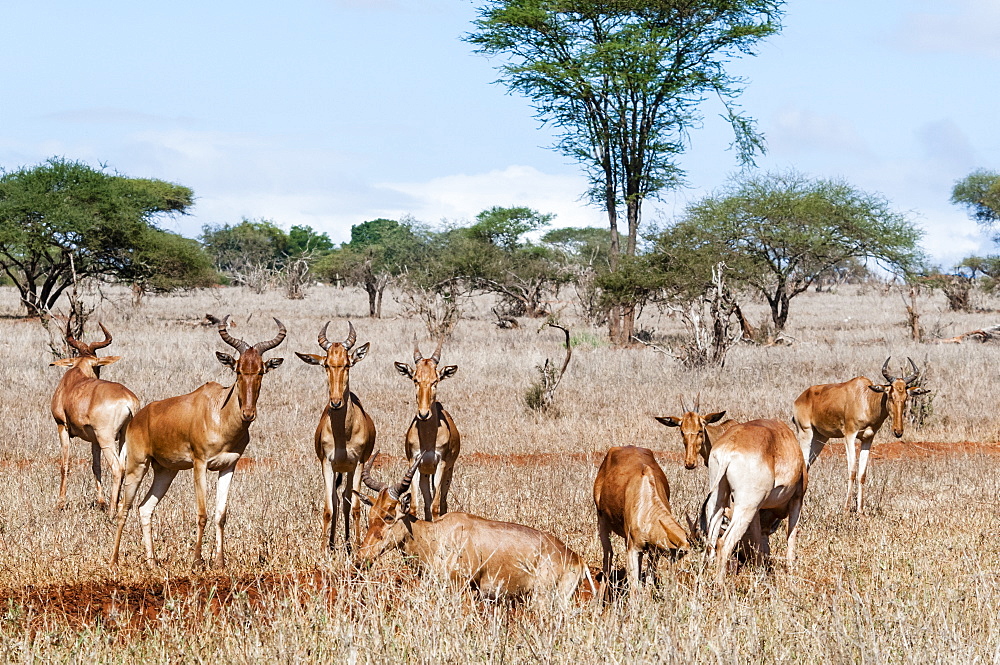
{"type": "Point", "coordinates": [84, 349]}
{"type": "Point", "coordinates": [436, 356]}
{"type": "Point", "coordinates": [237, 344]}
{"type": "Point", "coordinates": [267, 346]}
{"type": "Point", "coordinates": [351, 336]}
{"type": "Point", "coordinates": [697, 403]}
{"type": "Point", "coordinates": [885, 371]}
{"type": "Point", "coordinates": [417, 356]}
{"type": "Point", "coordinates": [366, 475]}
{"type": "Point", "coordinates": [323, 341]}
{"type": "Point", "coordinates": [916, 372]}
{"type": "Point", "coordinates": [399, 488]}
{"type": "Point", "coordinates": [107, 339]}
{"type": "Point", "coordinates": [684, 408]}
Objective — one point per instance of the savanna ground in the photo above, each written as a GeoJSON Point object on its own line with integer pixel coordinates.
{"type": "Point", "coordinates": [914, 579]}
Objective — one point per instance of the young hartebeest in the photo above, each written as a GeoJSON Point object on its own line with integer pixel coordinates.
{"type": "Point", "coordinates": [498, 559]}
{"type": "Point", "coordinates": [758, 468]}
{"type": "Point", "coordinates": [632, 496]}
{"type": "Point", "coordinates": [432, 431]}
{"type": "Point", "coordinates": [345, 436]}
{"type": "Point", "coordinates": [851, 409]}
{"type": "Point", "coordinates": [94, 410]}
{"type": "Point", "coordinates": [206, 430]}
{"type": "Point", "coordinates": [697, 431]}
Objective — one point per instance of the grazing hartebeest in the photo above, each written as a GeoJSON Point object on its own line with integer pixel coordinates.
{"type": "Point", "coordinates": [94, 410]}
{"type": "Point", "coordinates": [432, 431]}
{"type": "Point", "coordinates": [345, 436]}
{"type": "Point", "coordinates": [851, 409]}
{"type": "Point", "coordinates": [632, 496]}
{"type": "Point", "coordinates": [498, 559]}
{"type": "Point", "coordinates": [206, 430]}
{"type": "Point", "coordinates": [758, 467]}
{"type": "Point", "coordinates": [697, 431]}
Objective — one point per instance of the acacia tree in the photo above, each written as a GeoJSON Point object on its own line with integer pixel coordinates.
{"type": "Point", "coordinates": [778, 233]}
{"type": "Point", "coordinates": [622, 81]}
{"type": "Point", "coordinates": [63, 220]}
{"type": "Point", "coordinates": [979, 193]}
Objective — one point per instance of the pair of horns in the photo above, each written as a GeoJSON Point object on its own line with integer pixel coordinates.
{"type": "Point", "coordinates": [242, 346]}
{"type": "Point", "coordinates": [436, 356]}
{"type": "Point", "coordinates": [697, 404]}
{"type": "Point", "coordinates": [347, 343]}
{"type": "Point", "coordinates": [88, 349]}
{"type": "Point", "coordinates": [907, 379]}
{"type": "Point", "coordinates": [396, 490]}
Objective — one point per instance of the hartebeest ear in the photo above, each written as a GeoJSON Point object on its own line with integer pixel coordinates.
{"type": "Point", "coordinates": [714, 417]}
{"type": "Point", "coordinates": [404, 369]}
{"type": "Point", "coordinates": [404, 503]}
{"type": "Point", "coordinates": [226, 360]}
{"type": "Point", "coordinates": [310, 358]}
{"type": "Point", "coordinates": [273, 363]}
{"type": "Point", "coordinates": [879, 389]}
{"type": "Point", "coordinates": [917, 391]}
{"type": "Point", "coordinates": [669, 421]}
{"type": "Point", "coordinates": [364, 499]}
{"type": "Point", "coordinates": [449, 370]}
{"type": "Point", "coordinates": [63, 362]}
{"type": "Point", "coordinates": [107, 360]}
{"type": "Point", "coordinates": [359, 353]}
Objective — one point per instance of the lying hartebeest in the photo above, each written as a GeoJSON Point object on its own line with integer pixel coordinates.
{"type": "Point", "coordinates": [97, 411]}
{"type": "Point", "coordinates": [851, 409]}
{"type": "Point", "coordinates": [756, 468]}
{"type": "Point", "coordinates": [206, 430]}
{"type": "Point", "coordinates": [498, 559]}
{"type": "Point", "coordinates": [432, 431]}
{"type": "Point", "coordinates": [698, 432]}
{"type": "Point", "coordinates": [345, 436]}
{"type": "Point", "coordinates": [632, 496]}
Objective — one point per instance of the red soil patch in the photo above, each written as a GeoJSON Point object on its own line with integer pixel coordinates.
{"type": "Point", "coordinates": [893, 450]}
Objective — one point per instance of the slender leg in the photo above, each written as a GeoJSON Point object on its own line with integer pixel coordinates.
{"type": "Point", "coordinates": [95, 465]}
{"type": "Point", "coordinates": [221, 503]}
{"type": "Point", "coordinates": [64, 466]}
{"type": "Point", "coordinates": [116, 459]}
{"type": "Point", "coordinates": [742, 517]}
{"type": "Point", "coordinates": [162, 477]}
{"type": "Point", "coordinates": [348, 500]}
{"type": "Point", "coordinates": [852, 469]}
{"type": "Point", "coordinates": [441, 492]}
{"type": "Point", "coordinates": [634, 559]}
{"type": "Point", "coordinates": [425, 491]}
{"type": "Point", "coordinates": [329, 505]}
{"type": "Point", "coordinates": [794, 508]}
{"type": "Point", "coordinates": [133, 476]}
{"type": "Point", "coordinates": [609, 554]}
{"type": "Point", "coordinates": [201, 503]}
{"type": "Point", "coordinates": [866, 446]}
{"type": "Point", "coordinates": [755, 553]}
{"type": "Point", "coordinates": [356, 506]}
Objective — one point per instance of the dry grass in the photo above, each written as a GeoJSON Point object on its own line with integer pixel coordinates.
{"type": "Point", "coordinates": [913, 580]}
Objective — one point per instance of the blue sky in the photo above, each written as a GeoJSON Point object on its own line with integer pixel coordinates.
{"type": "Point", "coordinates": [332, 112]}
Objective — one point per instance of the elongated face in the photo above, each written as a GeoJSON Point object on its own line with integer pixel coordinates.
{"type": "Point", "coordinates": [386, 528]}
{"type": "Point", "coordinates": [425, 376]}
{"type": "Point", "coordinates": [250, 369]}
{"type": "Point", "coordinates": [338, 362]}
{"type": "Point", "coordinates": [896, 394]}
{"type": "Point", "coordinates": [692, 428]}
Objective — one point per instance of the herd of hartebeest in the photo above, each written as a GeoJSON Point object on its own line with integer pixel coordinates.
{"type": "Point", "coordinates": [757, 470]}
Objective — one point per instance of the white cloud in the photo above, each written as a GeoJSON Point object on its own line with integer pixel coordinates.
{"type": "Point", "coordinates": [969, 27]}
{"type": "Point", "coordinates": [797, 130]}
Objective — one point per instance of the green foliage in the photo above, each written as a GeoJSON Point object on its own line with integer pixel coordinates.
{"type": "Point", "coordinates": [303, 241]}
{"type": "Point", "coordinates": [169, 262]}
{"type": "Point", "coordinates": [979, 193]}
{"type": "Point", "coordinates": [582, 246]}
{"type": "Point", "coordinates": [63, 218]}
{"type": "Point", "coordinates": [504, 227]}
{"type": "Point", "coordinates": [251, 244]}
{"type": "Point", "coordinates": [778, 233]}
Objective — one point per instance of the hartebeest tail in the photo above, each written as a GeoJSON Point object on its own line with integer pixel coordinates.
{"type": "Point", "coordinates": [632, 497]}
{"type": "Point", "coordinates": [94, 410]}
{"type": "Point", "coordinates": [432, 431]}
{"type": "Point", "coordinates": [851, 409]}
{"type": "Point", "coordinates": [206, 430]}
{"type": "Point", "coordinates": [345, 436]}
{"type": "Point", "coordinates": [754, 467]}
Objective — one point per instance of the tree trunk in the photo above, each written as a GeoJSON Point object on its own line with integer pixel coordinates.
{"type": "Point", "coordinates": [378, 302]}
{"type": "Point", "coordinates": [372, 290]}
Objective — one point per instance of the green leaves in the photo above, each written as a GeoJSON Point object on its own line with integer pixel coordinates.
{"type": "Point", "coordinates": [979, 193]}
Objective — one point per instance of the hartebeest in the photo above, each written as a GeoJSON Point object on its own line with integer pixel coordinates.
{"type": "Point", "coordinates": [94, 410]}
{"type": "Point", "coordinates": [851, 409]}
{"type": "Point", "coordinates": [432, 431]}
{"type": "Point", "coordinates": [498, 559]}
{"type": "Point", "coordinates": [206, 430]}
{"type": "Point", "coordinates": [345, 436]}
{"type": "Point", "coordinates": [756, 468]}
{"type": "Point", "coordinates": [632, 496]}
{"type": "Point", "coordinates": [697, 431]}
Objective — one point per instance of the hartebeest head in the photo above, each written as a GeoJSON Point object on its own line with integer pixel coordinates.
{"type": "Point", "coordinates": [338, 361]}
{"type": "Point", "coordinates": [896, 390]}
{"type": "Point", "coordinates": [250, 367]}
{"type": "Point", "coordinates": [389, 511]}
{"type": "Point", "coordinates": [425, 376]}
{"type": "Point", "coordinates": [87, 360]}
{"type": "Point", "coordinates": [693, 430]}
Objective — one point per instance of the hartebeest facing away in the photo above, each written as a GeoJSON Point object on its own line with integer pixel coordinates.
{"type": "Point", "coordinates": [698, 432]}
{"type": "Point", "coordinates": [432, 431]}
{"type": "Point", "coordinates": [206, 430]}
{"type": "Point", "coordinates": [756, 468]}
{"type": "Point", "coordinates": [632, 496]}
{"type": "Point", "coordinates": [851, 409]}
{"type": "Point", "coordinates": [94, 410]}
{"type": "Point", "coordinates": [345, 436]}
{"type": "Point", "coordinates": [498, 559]}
